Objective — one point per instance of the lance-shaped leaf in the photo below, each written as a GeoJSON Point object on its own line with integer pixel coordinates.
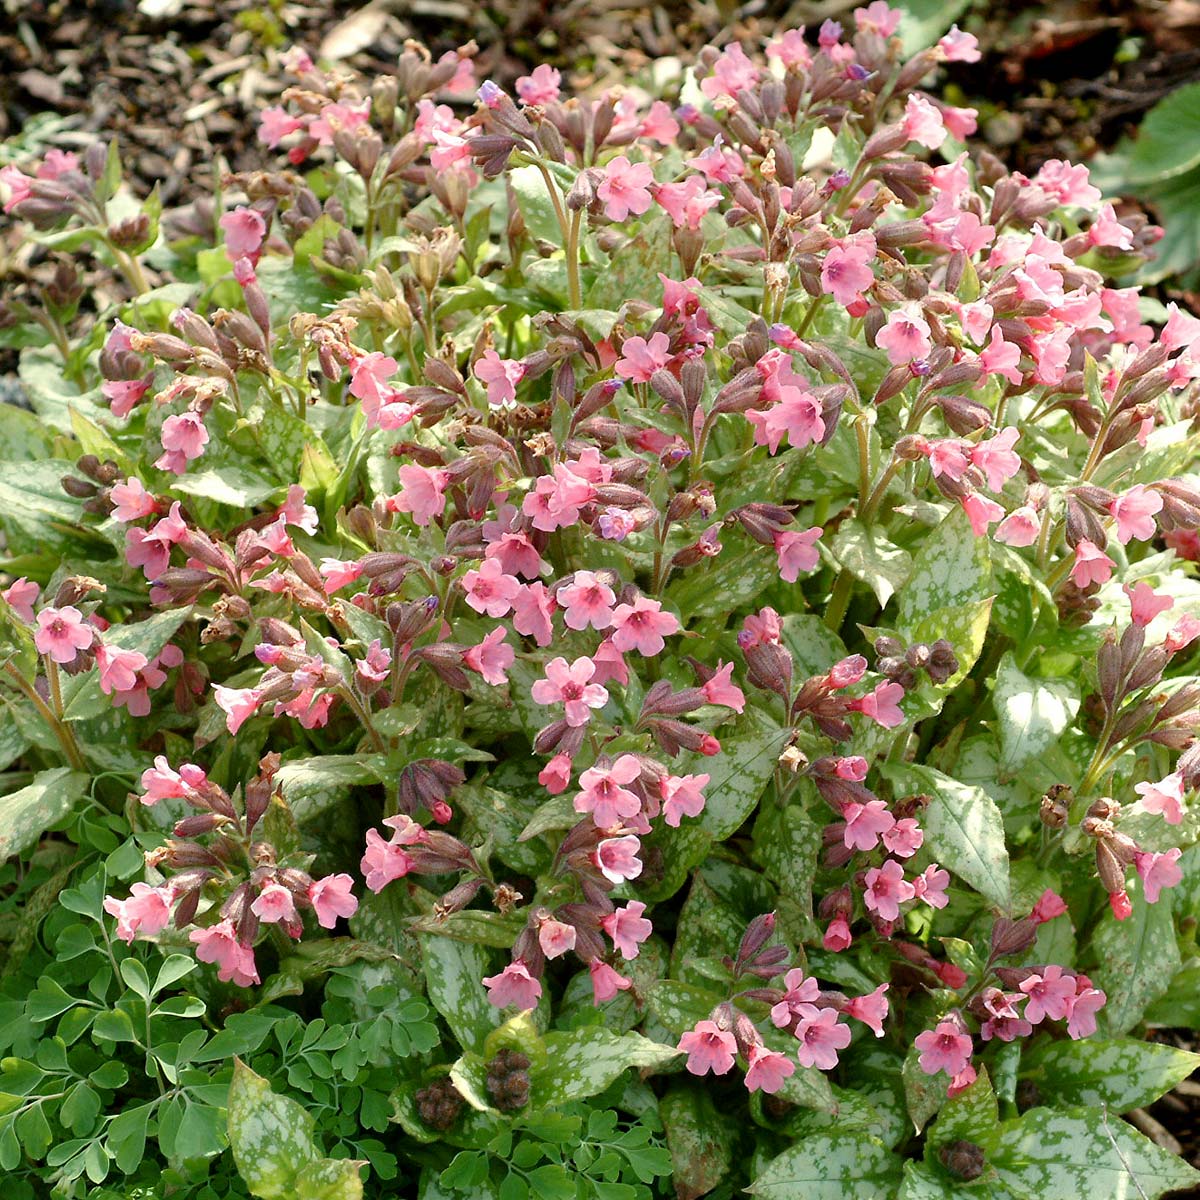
{"type": "Point", "coordinates": [585, 1061]}
{"type": "Point", "coordinates": [831, 1166]}
{"type": "Point", "coordinates": [1033, 713]}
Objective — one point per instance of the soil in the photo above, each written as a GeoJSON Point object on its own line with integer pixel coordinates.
{"type": "Point", "coordinates": [179, 82]}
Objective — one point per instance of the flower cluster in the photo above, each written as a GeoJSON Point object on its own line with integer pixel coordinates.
{"type": "Point", "coordinates": [632, 515]}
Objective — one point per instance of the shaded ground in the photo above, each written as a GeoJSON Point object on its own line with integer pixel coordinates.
{"type": "Point", "coordinates": [180, 80]}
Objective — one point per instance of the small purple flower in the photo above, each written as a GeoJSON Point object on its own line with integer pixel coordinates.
{"type": "Point", "coordinates": [490, 93]}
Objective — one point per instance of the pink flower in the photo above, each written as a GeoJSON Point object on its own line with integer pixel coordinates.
{"type": "Point", "coordinates": [1082, 1010]}
{"type": "Point", "coordinates": [588, 600]}
{"type": "Point", "coordinates": [20, 596]}
{"type": "Point", "coordinates": [603, 794]}
{"type": "Point", "coordinates": [532, 610]}
{"type": "Point", "coordinates": [628, 928]}
{"type": "Point", "coordinates": [944, 1048]}
{"type": "Point", "coordinates": [887, 889]}
{"type": "Point", "coordinates": [1182, 634]}
{"type": "Point", "coordinates": [864, 824]}
{"type": "Point", "coordinates": [556, 938]}
{"type": "Point", "coordinates": [238, 705]}
{"type": "Point", "coordinates": [540, 86]}
{"type": "Point", "coordinates": [617, 858]}
{"type": "Point", "coordinates": [625, 188]}
{"type": "Point", "coordinates": [1120, 904]}
{"type": "Point", "coordinates": [923, 122]}
{"type": "Point", "coordinates": [904, 838]}
{"type": "Point", "coordinates": [796, 552]}
{"type": "Point", "coordinates": [555, 776]}
{"type": "Point", "coordinates": [118, 668]}
{"type": "Point", "coordinates": [1092, 565]}
{"type": "Point", "coordinates": [514, 985]}
{"type": "Point", "coordinates": [62, 633]}
{"type": "Point", "coordinates": [871, 1009]}
{"type": "Point", "coordinates": [642, 626]}
{"type": "Point", "coordinates": [147, 911]}
{"type": "Point", "coordinates": [1020, 528]}
{"type": "Point", "coordinates": [1145, 604]}
{"type": "Point", "coordinates": [931, 886]}
{"type": "Point", "coordinates": [337, 574]}
{"type": "Point", "coordinates": [275, 903]}
{"type": "Point", "coordinates": [767, 1069]}
{"type": "Point", "coordinates": [846, 274]}
{"type": "Point", "coordinates": [1157, 871]}
{"type": "Point", "coordinates": [733, 72]}
{"type": "Point", "coordinates": [131, 500]}
{"type": "Point", "coordinates": [183, 438]}
{"type": "Point", "coordinates": [682, 797]}
{"type": "Point", "coordinates": [640, 358]}
{"type": "Point", "coordinates": [996, 459]}
{"type": "Point", "coordinates": [331, 898]}
{"type": "Point", "coordinates": [981, 512]}
{"type": "Point", "coordinates": [882, 705]}
{"type": "Point", "coordinates": [501, 376]}
{"type": "Point", "coordinates": [956, 46]}
{"type": "Point", "coordinates": [791, 49]}
{"type": "Point", "coordinates": [1049, 906]}
{"type": "Point", "coordinates": [160, 782]}
{"type": "Point", "coordinates": [837, 935]}
{"type": "Point", "coordinates": [275, 123]}
{"type": "Point", "coordinates": [244, 233]}
{"type": "Point", "coordinates": [821, 1036]}
{"type": "Point", "coordinates": [151, 549]}
{"type": "Point", "coordinates": [721, 690]}
{"type": "Point", "coordinates": [1048, 994]}
{"type": "Point", "coordinates": [905, 337]}
{"type": "Point", "coordinates": [948, 456]}
{"type": "Point", "coordinates": [1106, 230]}
{"type": "Point", "coordinates": [878, 18]}
{"type": "Point", "coordinates": [384, 861]}
{"type": "Point", "coordinates": [219, 944]}
{"type": "Point", "coordinates": [489, 590]}
{"type": "Point", "coordinates": [1134, 513]}
{"type": "Point", "coordinates": [569, 685]}
{"type": "Point", "coordinates": [517, 554]}
{"type": "Point", "coordinates": [606, 982]}
{"type": "Point", "coordinates": [19, 185]}
{"type": "Point", "coordinates": [491, 658]}
{"type": "Point", "coordinates": [799, 999]}
{"type": "Point", "coordinates": [687, 202]}
{"type": "Point", "coordinates": [421, 493]}
{"type": "Point", "coordinates": [709, 1048]}
{"type": "Point", "coordinates": [659, 125]}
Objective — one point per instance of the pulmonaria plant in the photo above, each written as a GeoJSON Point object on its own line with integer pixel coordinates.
{"type": "Point", "coordinates": [723, 560]}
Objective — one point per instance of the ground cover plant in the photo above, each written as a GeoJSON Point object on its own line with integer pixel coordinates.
{"type": "Point", "coordinates": [613, 647]}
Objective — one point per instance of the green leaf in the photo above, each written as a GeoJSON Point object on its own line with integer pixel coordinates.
{"type": "Point", "coordinates": [127, 1136]}
{"type": "Point", "coordinates": [924, 1094]}
{"type": "Point", "coordinates": [925, 21]}
{"type": "Point", "coordinates": [866, 552]}
{"type": "Point", "coordinates": [1168, 141]}
{"type": "Point", "coordinates": [26, 814]}
{"type": "Point", "coordinates": [831, 1166]}
{"type": "Point", "coordinates": [1033, 713]}
{"type": "Point", "coordinates": [701, 1140]}
{"type": "Point", "coordinates": [329, 1179]}
{"type": "Point", "coordinates": [1121, 1073]}
{"type": "Point", "coordinates": [1057, 1155]}
{"type": "Point", "coordinates": [678, 1006]}
{"type": "Point", "coordinates": [536, 206]}
{"type": "Point", "coordinates": [272, 1143]}
{"type": "Point", "coordinates": [951, 570]}
{"type": "Point", "coordinates": [964, 627]}
{"type": "Point", "coordinates": [453, 971]}
{"type": "Point", "coordinates": [270, 1135]}
{"type": "Point", "coordinates": [970, 1116]}
{"type": "Point", "coordinates": [235, 486]}
{"type": "Point", "coordinates": [964, 830]}
{"type": "Point", "coordinates": [721, 585]}
{"type": "Point", "coordinates": [1135, 960]}
{"type": "Point", "coordinates": [585, 1061]}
